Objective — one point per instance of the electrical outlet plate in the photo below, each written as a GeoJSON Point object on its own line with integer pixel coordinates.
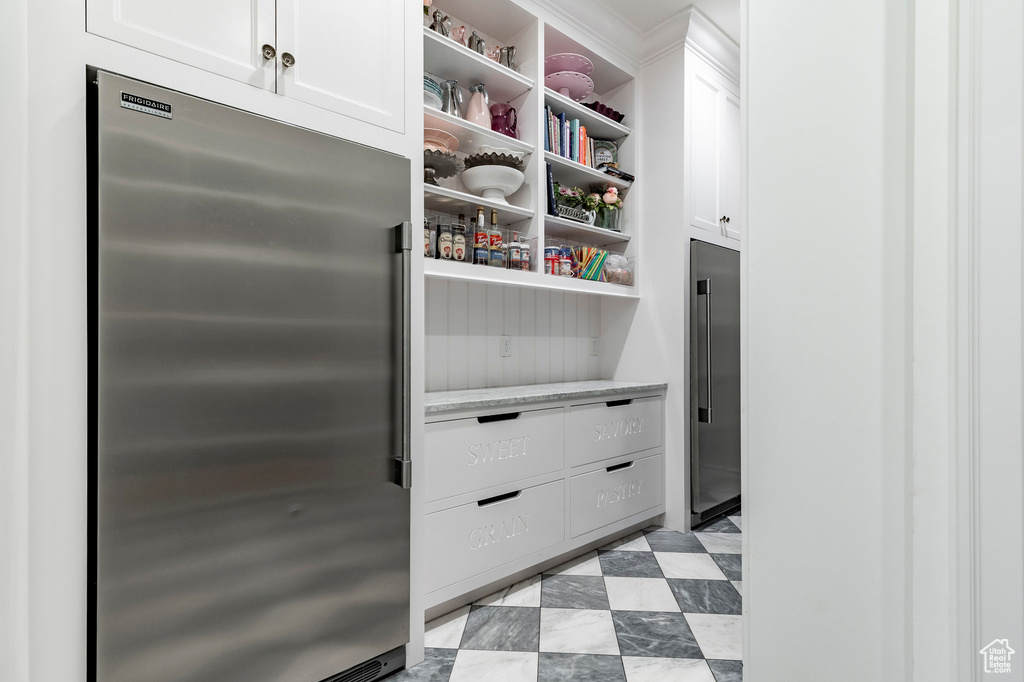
{"type": "Point", "coordinates": [594, 350]}
{"type": "Point", "coordinates": [506, 346]}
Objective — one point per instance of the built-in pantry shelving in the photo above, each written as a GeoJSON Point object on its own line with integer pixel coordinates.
{"type": "Point", "coordinates": [444, 57]}
{"type": "Point", "coordinates": [581, 232]}
{"type": "Point", "coordinates": [471, 135]}
{"type": "Point", "coordinates": [445, 200]}
{"type": "Point", "coordinates": [527, 211]}
{"type": "Point", "coordinates": [600, 127]}
{"type": "Point", "coordinates": [532, 280]}
{"type": "Point", "coordinates": [571, 172]}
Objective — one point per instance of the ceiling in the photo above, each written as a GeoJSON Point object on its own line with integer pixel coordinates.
{"type": "Point", "coordinates": [645, 15]}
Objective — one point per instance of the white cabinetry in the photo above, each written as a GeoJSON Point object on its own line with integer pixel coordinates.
{"type": "Point", "coordinates": [713, 140]}
{"type": "Point", "coordinates": [349, 57]}
{"type": "Point", "coordinates": [511, 491]}
{"type": "Point", "coordinates": [223, 37]}
{"type": "Point", "coordinates": [323, 53]}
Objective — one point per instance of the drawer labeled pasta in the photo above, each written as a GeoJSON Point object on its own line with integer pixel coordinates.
{"type": "Point", "coordinates": [614, 493]}
{"type": "Point", "coordinates": [616, 427]}
{"type": "Point", "coordinates": [465, 455]}
{"type": "Point", "coordinates": [472, 538]}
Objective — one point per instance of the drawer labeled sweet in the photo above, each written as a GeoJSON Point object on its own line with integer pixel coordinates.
{"type": "Point", "coordinates": [617, 427]}
{"type": "Point", "coordinates": [472, 538]}
{"type": "Point", "coordinates": [465, 455]}
{"type": "Point", "coordinates": [614, 493]}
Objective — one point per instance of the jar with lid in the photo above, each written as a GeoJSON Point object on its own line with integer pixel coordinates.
{"type": "Point", "coordinates": [444, 241]}
{"type": "Point", "coordinates": [494, 242]}
{"type": "Point", "coordinates": [515, 253]}
{"type": "Point", "coordinates": [481, 241]}
{"type": "Point", "coordinates": [459, 242]}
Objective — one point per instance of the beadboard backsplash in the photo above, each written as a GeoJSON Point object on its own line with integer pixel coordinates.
{"type": "Point", "coordinates": [550, 332]}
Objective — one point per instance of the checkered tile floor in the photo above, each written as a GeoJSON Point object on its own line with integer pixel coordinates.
{"type": "Point", "coordinates": [657, 606]}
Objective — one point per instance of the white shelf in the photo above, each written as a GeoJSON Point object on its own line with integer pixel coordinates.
{"type": "Point", "coordinates": [445, 58]}
{"type": "Point", "coordinates": [471, 135]}
{"type": "Point", "coordinates": [521, 278]}
{"type": "Point", "coordinates": [568, 172]}
{"type": "Point", "coordinates": [598, 127]}
{"type": "Point", "coordinates": [588, 234]}
{"type": "Point", "coordinates": [453, 201]}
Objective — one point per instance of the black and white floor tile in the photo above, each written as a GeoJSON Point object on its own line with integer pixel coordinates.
{"type": "Point", "coordinates": [656, 606]}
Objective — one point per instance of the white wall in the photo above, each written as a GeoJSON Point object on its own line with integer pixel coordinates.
{"type": "Point", "coordinates": [883, 362]}
{"type": "Point", "coordinates": [649, 340]}
{"type": "Point", "coordinates": [825, 347]}
{"type": "Point", "coordinates": [995, 307]}
{"type": "Point", "coordinates": [14, 566]}
{"type": "Point", "coordinates": [550, 333]}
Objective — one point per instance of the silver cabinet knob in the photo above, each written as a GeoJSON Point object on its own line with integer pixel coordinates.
{"type": "Point", "coordinates": [269, 52]}
{"type": "Point", "coordinates": [287, 59]}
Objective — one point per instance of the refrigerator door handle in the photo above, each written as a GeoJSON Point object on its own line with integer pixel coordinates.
{"type": "Point", "coordinates": [704, 289]}
{"type": "Point", "coordinates": [403, 461]}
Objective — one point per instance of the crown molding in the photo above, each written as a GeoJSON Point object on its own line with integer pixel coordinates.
{"type": "Point", "coordinates": [621, 38]}
{"type": "Point", "coordinates": [579, 20]}
{"type": "Point", "coordinates": [692, 28]}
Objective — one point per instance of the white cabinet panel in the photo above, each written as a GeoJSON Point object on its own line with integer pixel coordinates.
{"type": "Point", "coordinates": [729, 165]}
{"type": "Point", "coordinates": [476, 537]}
{"type": "Point", "coordinates": [224, 37]}
{"type": "Point", "coordinates": [713, 149]}
{"type": "Point", "coordinates": [349, 57]}
{"type": "Point", "coordinates": [464, 455]}
{"type": "Point", "coordinates": [618, 427]}
{"type": "Point", "coordinates": [704, 121]}
{"type": "Point", "coordinates": [607, 495]}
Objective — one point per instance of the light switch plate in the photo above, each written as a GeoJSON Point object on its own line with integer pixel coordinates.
{"type": "Point", "coordinates": [594, 348]}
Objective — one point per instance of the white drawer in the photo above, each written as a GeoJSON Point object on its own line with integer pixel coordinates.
{"type": "Point", "coordinates": [470, 539]}
{"type": "Point", "coordinates": [618, 427]}
{"type": "Point", "coordinates": [602, 497]}
{"type": "Point", "coordinates": [472, 454]}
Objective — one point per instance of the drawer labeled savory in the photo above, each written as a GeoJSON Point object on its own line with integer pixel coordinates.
{"type": "Point", "coordinates": [472, 538]}
{"type": "Point", "coordinates": [465, 455]}
{"type": "Point", "coordinates": [616, 427]}
{"type": "Point", "coordinates": [614, 493]}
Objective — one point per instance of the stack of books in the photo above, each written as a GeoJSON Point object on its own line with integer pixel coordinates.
{"type": "Point", "coordinates": [569, 139]}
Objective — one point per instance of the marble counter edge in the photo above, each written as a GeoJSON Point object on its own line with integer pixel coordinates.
{"type": "Point", "coordinates": [441, 402]}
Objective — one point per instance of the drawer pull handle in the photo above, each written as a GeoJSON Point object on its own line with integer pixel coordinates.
{"type": "Point", "coordinates": [619, 403]}
{"type": "Point", "coordinates": [498, 417]}
{"type": "Point", "coordinates": [619, 467]}
{"type": "Point", "coordinates": [499, 498]}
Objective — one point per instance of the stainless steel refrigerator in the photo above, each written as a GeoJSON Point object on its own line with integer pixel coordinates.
{"type": "Point", "coordinates": [714, 380]}
{"type": "Point", "coordinates": [248, 324]}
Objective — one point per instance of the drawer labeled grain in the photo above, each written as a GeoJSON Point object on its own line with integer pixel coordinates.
{"type": "Point", "coordinates": [614, 493]}
{"type": "Point", "coordinates": [465, 455]}
{"type": "Point", "coordinates": [617, 427]}
{"type": "Point", "coordinates": [472, 538]}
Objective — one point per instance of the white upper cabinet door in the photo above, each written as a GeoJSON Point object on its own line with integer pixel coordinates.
{"type": "Point", "coordinates": [225, 37]}
{"type": "Point", "coordinates": [349, 57]}
{"type": "Point", "coordinates": [704, 97]}
{"type": "Point", "coordinates": [729, 164]}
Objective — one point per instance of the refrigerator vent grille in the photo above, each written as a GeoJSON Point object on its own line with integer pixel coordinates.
{"type": "Point", "coordinates": [363, 673]}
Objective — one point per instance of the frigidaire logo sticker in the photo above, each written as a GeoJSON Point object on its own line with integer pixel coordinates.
{"type": "Point", "coordinates": [145, 105]}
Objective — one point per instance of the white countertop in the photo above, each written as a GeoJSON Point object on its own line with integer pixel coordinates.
{"type": "Point", "coordinates": [477, 398]}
